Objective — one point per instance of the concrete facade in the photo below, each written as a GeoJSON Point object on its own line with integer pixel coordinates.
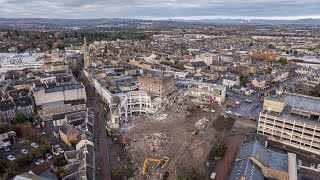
{"type": "Point", "coordinates": [293, 120]}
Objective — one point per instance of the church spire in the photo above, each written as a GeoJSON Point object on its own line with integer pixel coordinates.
{"type": "Point", "coordinates": [86, 57]}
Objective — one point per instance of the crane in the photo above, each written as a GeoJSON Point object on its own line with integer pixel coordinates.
{"type": "Point", "coordinates": [161, 162]}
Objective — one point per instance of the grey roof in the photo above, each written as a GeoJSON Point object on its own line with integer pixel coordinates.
{"type": "Point", "coordinates": [262, 139]}
{"type": "Point", "coordinates": [76, 115]}
{"type": "Point", "coordinates": [246, 168]}
{"type": "Point", "coordinates": [73, 154]}
{"type": "Point", "coordinates": [90, 157]}
{"type": "Point", "coordinates": [65, 128]}
{"type": "Point", "coordinates": [64, 87]}
{"type": "Point", "coordinates": [23, 101]}
{"type": "Point", "coordinates": [26, 176]}
{"type": "Point", "coordinates": [255, 150]}
{"type": "Point", "coordinates": [6, 105]}
{"type": "Point", "coordinates": [236, 87]}
{"type": "Point", "coordinates": [270, 159]}
{"type": "Point", "coordinates": [198, 64]}
{"type": "Point", "coordinates": [89, 173]}
{"type": "Point", "coordinates": [231, 77]}
{"type": "Point", "coordinates": [75, 176]}
{"type": "Point", "coordinates": [76, 122]}
{"type": "Point", "coordinates": [302, 102]}
{"type": "Point", "coordinates": [278, 161]}
{"type": "Point", "coordinates": [19, 92]}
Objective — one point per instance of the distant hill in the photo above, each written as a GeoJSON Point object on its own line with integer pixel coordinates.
{"type": "Point", "coordinates": [93, 22]}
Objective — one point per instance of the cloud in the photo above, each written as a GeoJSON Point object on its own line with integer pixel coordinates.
{"type": "Point", "coordinates": [157, 8]}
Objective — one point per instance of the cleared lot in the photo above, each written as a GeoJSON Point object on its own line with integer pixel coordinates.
{"type": "Point", "coordinates": [175, 136]}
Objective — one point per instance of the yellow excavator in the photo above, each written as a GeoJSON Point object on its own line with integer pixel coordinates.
{"type": "Point", "coordinates": [161, 162]}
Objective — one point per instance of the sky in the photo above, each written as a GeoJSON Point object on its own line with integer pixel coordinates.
{"type": "Point", "coordinates": [160, 9]}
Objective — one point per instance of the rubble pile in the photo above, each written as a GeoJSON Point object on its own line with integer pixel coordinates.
{"type": "Point", "coordinates": [201, 123]}
{"type": "Point", "coordinates": [157, 142]}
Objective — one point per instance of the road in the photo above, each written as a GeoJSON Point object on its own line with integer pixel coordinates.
{"type": "Point", "coordinates": [103, 169]}
{"type": "Point", "coordinates": [253, 109]}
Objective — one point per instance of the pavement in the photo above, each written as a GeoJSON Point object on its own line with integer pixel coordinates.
{"type": "Point", "coordinates": [103, 168]}
{"type": "Point", "coordinates": [224, 165]}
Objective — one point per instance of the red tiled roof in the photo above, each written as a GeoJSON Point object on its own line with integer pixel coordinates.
{"type": "Point", "coordinates": [41, 167]}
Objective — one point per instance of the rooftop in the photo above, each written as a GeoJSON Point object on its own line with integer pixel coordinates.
{"type": "Point", "coordinates": [65, 87]}
{"type": "Point", "coordinates": [307, 103]}
{"type": "Point", "coordinates": [6, 105]}
{"type": "Point", "coordinates": [246, 168]}
{"type": "Point", "coordinates": [23, 101]}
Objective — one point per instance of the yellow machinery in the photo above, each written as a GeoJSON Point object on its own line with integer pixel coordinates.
{"type": "Point", "coordinates": [161, 162]}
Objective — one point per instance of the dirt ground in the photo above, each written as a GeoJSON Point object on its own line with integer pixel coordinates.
{"type": "Point", "coordinates": [176, 136]}
{"type": "Point", "coordinates": [179, 140]}
{"type": "Point", "coordinates": [221, 124]}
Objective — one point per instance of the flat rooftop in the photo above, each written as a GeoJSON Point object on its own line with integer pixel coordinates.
{"type": "Point", "coordinates": [191, 82]}
{"type": "Point", "coordinates": [286, 114]}
{"type": "Point", "coordinates": [307, 103]}
{"type": "Point", "coordinates": [63, 88]}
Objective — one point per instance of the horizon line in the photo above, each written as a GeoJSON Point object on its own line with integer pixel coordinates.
{"type": "Point", "coordinates": [291, 18]}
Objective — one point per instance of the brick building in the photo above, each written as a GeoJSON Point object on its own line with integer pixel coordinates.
{"type": "Point", "coordinates": [160, 86]}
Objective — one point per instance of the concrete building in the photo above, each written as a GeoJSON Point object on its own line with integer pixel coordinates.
{"type": "Point", "coordinates": [195, 66]}
{"type": "Point", "coordinates": [219, 66]}
{"type": "Point", "coordinates": [293, 120]}
{"type": "Point", "coordinates": [208, 58]}
{"type": "Point", "coordinates": [260, 81]}
{"type": "Point", "coordinates": [205, 92]}
{"type": "Point", "coordinates": [231, 79]}
{"type": "Point", "coordinates": [159, 86]}
{"type": "Point", "coordinates": [212, 93]}
{"type": "Point", "coordinates": [138, 102]}
{"type": "Point", "coordinates": [59, 99]}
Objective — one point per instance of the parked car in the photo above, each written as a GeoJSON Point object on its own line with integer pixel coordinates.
{"type": "Point", "coordinates": [252, 119]}
{"type": "Point", "coordinates": [313, 165]}
{"type": "Point", "coordinates": [34, 145]}
{"type": "Point", "coordinates": [36, 162]}
{"type": "Point", "coordinates": [11, 158]}
{"type": "Point", "coordinates": [41, 160]}
{"type": "Point", "coordinates": [212, 175]}
{"type": "Point", "coordinates": [60, 150]}
{"type": "Point", "coordinates": [248, 100]}
{"type": "Point", "coordinates": [42, 124]}
{"type": "Point", "coordinates": [237, 114]}
{"type": "Point", "coordinates": [23, 151]}
{"type": "Point", "coordinates": [318, 166]}
{"type": "Point", "coordinates": [228, 112]}
{"type": "Point", "coordinates": [237, 102]}
{"type": "Point", "coordinates": [7, 149]}
{"type": "Point", "coordinates": [56, 153]}
{"type": "Point", "coordinates": [48, 156]}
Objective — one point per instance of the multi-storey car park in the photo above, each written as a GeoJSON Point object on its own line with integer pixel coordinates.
{"type": "Point", "coordinates": [293, 120]}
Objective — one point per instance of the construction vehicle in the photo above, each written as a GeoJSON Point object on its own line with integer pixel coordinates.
{"type": "Point", "coordinates": [161, 162]}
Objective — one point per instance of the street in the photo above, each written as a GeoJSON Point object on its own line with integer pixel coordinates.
{"type": "Point", "coordinates": [103, 169]}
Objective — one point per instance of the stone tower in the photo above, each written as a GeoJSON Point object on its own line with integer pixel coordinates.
{"type": "Point", "coordinates": [86, 56]}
